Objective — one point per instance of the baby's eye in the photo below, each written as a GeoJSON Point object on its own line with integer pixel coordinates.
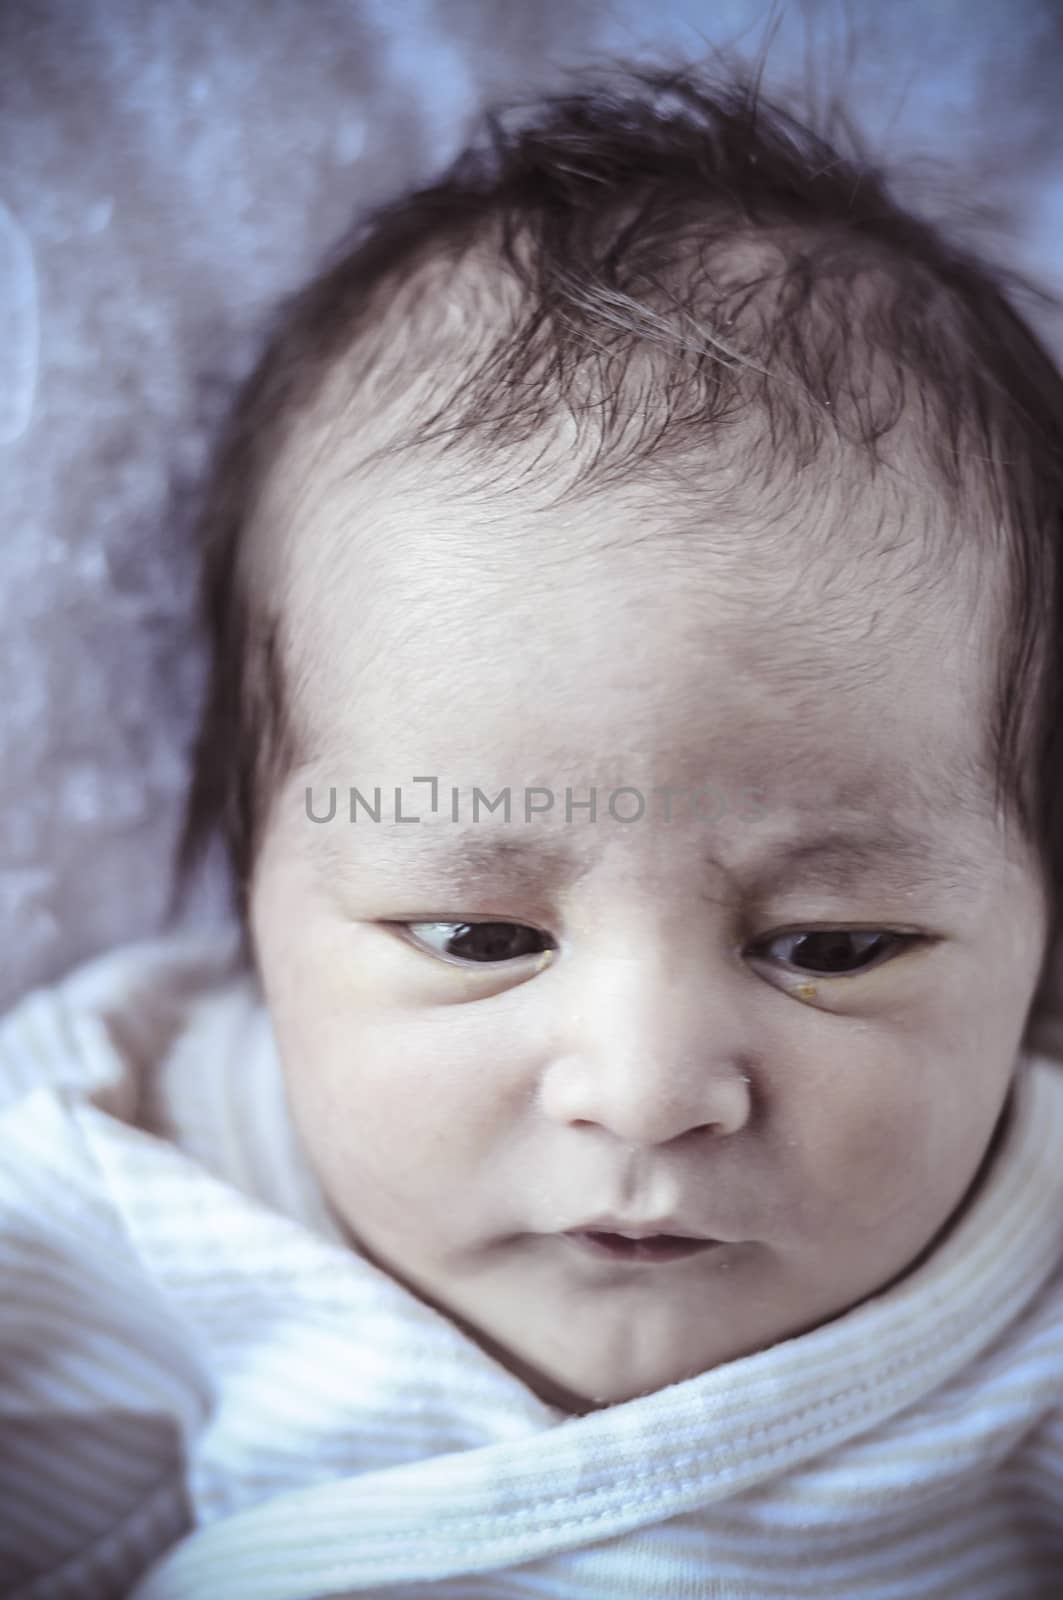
{"type": "Point", "coordinates": [834, 952]}
{"type": "Point", "coordinates": [485, 943]}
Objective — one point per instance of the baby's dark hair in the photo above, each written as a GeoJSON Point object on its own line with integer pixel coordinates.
{"type": "Point", "coordinates": [613, 214]}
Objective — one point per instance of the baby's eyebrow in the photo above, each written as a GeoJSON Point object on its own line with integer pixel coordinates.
{"type": "Point", "coordinates": [879, 854]}
{"type": "Point", "coordinates": [460, 859]}
{"type": "Point", "coordinates": [882, 855]}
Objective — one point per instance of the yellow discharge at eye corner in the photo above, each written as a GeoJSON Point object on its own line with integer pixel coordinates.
{"type": "Point", "coordinates": [806, 990]}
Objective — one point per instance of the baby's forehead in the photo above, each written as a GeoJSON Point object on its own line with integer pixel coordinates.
{"type": "Point", "coordinates": [368, 554]}
{"type": "Point", "coordinates": [410, 580]}
{"type": "Point", "coordinates": [489, 534]}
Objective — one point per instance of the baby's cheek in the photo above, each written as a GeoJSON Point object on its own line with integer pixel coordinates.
{"type": "Point", "coordinates": [379, 1088]}
{"type": "Point", "coordinates": [872, 1149]}
{"type": "Point", "coordinates": [360, 1135]}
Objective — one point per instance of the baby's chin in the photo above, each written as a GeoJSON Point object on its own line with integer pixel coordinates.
{"type": "Point", "coordinates": [574, 1401]}
{"type": "Point", "coordinates": [575, 1392]}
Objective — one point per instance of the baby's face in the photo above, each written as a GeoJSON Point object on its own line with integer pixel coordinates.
{"type": "Point", "coordinates": [787, 1023]}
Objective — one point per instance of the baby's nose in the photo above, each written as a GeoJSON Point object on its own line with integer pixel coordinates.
{"type": "Point", "coordinates": [651, 1055]}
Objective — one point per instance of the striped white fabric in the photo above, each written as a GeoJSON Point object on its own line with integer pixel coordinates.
{"type": "Point", "coordinates": [204, 1395]}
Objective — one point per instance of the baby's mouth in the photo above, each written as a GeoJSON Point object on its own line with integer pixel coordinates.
{"type": "Point", "coordinates": [658, 1247]}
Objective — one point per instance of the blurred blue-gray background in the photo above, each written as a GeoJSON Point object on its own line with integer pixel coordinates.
{"type": "Point", "coordinates": [168, 168]}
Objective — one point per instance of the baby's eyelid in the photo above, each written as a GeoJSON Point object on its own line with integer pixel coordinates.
{"type": "Point", "coordinates": [896, 942]}
{"type": "Point", "coordinates": [447, 925]}
{"type": "Point", "coordinates": [477, 921]}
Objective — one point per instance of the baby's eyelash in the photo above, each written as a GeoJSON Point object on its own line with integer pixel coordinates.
{"type": "Point", "coordinates": [875, 946]}
{"type": "Point", "coordinates": [501, 942]}
{"type": "Point", "coordinates": [496, 936]}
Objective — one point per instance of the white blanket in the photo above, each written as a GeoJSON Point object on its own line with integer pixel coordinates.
{"type": "Point", "coordinates": [201, 1383]}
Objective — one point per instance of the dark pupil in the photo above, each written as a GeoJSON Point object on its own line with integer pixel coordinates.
{"type": "Point", "coordinates": [836, 951]}
{"type": "Point", "coordinates": [494, 941]}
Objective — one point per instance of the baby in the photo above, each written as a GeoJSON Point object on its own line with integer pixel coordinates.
{"type": "Point", "coordinates": [612, 1159]}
